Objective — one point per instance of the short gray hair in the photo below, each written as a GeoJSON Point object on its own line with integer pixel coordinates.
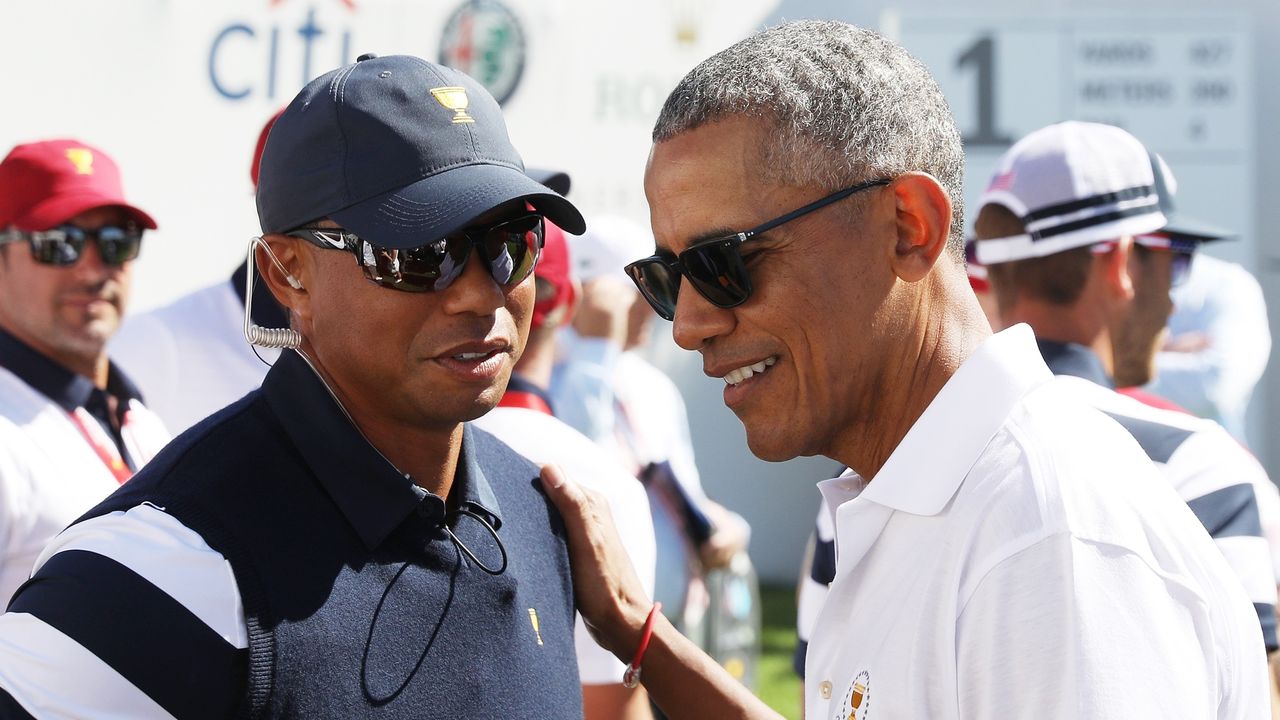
{"type": "Point", "coordinates": [847, 105]}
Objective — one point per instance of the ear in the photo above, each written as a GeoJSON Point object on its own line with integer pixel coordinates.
{"type": "Point", "coordinates": [1113, 266]}
{"type": "Point", "coordinates": [282, 265]}
{"type": "Point", "coordinates": [923, 223]}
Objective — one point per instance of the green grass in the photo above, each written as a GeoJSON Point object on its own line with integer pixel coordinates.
{"type": "Point", "coordinates": [778, 684]}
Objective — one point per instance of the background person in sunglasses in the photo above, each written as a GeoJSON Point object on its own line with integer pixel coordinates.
{"type": "Point", "coordinates": [1098, 306]}
{"type": "Point", "coordinates": [340, 543]}
{"type": "Point", "coordinates": [1003, 549]}
{"type": "Point", "coordinates": [526, 420]}
{"type": "Point", "coordinates": [604, 387]}
{"type": "Point", "coordinates": [72, 426]}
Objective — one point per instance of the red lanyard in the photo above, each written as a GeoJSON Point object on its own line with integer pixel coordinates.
{"type": "Point", "coordinates": [102, 444]}
{"type": "Point", "coordinates": [522, 399]}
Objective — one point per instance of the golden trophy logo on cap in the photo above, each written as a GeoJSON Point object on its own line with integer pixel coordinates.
{"type": "Point", "coordinates": [82, 158]}
{"type": "Point", "coordinates": [455, 99]}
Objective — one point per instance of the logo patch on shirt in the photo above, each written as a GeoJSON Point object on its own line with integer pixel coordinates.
{"type": "Point", "coordinates": [856, 704]}
{"type": "Point", "coordinates": [533, 620]}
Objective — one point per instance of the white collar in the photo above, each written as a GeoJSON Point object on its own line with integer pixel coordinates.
{"type": "Point", "coordinates": [926, 468]}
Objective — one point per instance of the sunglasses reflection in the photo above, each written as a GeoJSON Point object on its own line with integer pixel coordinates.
{"type": "Point", "coordinates": [64, 245]}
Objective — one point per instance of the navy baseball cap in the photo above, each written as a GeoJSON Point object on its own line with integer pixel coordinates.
{"type": "Point", "coordinates": [1178, 226]}
{"type": "Point", "coordinates": [557, 180]}
{"type": "Point", "coordinates": [398, 150]}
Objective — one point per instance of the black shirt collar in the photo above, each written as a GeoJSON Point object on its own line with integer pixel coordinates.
{"type": "Point", "coordinates": [1076, 360]}
{"type": "Point", "coordinates": [373, 496]}
{"type": "Point", "coordinates": [519, 384]}
{"type": "Point", "coordinates": [68, 389]}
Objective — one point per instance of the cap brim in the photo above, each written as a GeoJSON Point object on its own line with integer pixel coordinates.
{"type": "Point", "coordinates": [1180, 225]}
{"type": "Point", "coordinates": [554, 179]}
{"type": "Point", "coordinates": [448, 201]}
{"type": "Point", "coordinates": [60, 208]}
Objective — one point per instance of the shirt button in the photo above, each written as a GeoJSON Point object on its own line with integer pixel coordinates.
{"type": "Point", "coordinates": [824, 689]}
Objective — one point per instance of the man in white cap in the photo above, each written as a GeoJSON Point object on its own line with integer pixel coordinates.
{"type": "Point", "coordinates": [1098, 300]}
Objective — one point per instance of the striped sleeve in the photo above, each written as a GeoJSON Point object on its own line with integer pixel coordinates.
{"type": "Point", "coordinates": [1218, 479]}
{"type": "Point", "coordinates": [1230, 515]}
{"type": "Point", "coordinates": [140, 611]}
{"type": "Point", "coordinates": [814, 584]}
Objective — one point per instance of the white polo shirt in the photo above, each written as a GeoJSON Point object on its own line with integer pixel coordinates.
{"type": "Point", "coordinates": [1018, 556]}
{"type": "Point", "coordinates": [190, 357]}
{"type": "Point", "coordinates": [544, 439]}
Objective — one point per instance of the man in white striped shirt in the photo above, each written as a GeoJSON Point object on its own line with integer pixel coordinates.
{"type": "Point", "coordinates": [339, 543]}
{"type": "Point", "coordinates": [1098, 307]}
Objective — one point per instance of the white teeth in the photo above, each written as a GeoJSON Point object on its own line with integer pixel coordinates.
{"type": "Point", "coordinates": [469, 356]}
{"type": "Point", "coordinates": [733, 377]}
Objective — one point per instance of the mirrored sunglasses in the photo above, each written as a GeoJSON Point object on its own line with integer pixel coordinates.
{"type": "Point", "coordinates": [62, 246]}
{"type": "Point", "coordinates": [715, 267]}
{"type": "Point", "coordinates": [509, 251]}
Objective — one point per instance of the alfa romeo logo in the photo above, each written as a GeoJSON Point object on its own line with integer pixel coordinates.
{"type": "Point", "coordinates": [483, 39]}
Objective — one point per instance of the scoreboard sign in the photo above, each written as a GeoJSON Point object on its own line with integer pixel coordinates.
{"type": "Point", "coordinates": [1181, 83]}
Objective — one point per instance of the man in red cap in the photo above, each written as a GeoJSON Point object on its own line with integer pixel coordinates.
{"type": "Point", "coordinates": [72, 427]}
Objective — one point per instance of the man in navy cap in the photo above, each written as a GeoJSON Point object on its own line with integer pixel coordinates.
{"type": "Point", "coordinates": [340, 542]}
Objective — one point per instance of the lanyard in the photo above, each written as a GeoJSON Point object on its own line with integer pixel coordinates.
{"type": "Point", "coordinates": [522, 399]}
{"type": "Point", "coordinates": [102, 444]}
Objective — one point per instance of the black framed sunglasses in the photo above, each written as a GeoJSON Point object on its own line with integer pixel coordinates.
{"type": "Point", "coordinates": [509, 250]}
{"type": "Point", "coordinates": [715, 267]}
{"type": "Point", "coordinates": [62, 246]}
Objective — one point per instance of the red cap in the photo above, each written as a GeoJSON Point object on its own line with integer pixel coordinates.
{"type": "Point", "coordinates": [262, 143]}
{"type": "Point", "coordinates": [555, 280]}
{"type": "Point", "coordinates": [44, 184]}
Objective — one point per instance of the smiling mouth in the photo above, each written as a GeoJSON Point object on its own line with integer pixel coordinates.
{"type": "Point", "coordinates": [734, 377]}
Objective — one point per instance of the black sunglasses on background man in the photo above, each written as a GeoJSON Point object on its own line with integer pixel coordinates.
{"type": "Point", "coordinates": [62, 246]}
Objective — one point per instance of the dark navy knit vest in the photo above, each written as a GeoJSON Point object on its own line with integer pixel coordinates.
{"type": "Point", "coordinates": [358, 603]}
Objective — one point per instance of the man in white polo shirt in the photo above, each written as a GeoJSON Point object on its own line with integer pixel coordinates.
{"type": "Point", "coordinates": [72, 426]}
{"type": "Point", "coordinates": [1003, 550]}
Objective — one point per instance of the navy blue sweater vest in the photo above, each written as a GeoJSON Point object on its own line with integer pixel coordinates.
{"type": "Point", "coordinates": [357, 602]}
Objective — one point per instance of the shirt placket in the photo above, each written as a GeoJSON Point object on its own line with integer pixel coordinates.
{"type": "Point", "coordinates": [832, 647]}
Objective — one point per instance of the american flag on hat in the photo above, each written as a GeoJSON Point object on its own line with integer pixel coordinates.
{"type": "Point", "coordinates": [1002, 181]}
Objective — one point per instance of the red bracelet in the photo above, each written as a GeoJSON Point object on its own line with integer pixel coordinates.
{"type": "Point", "coordinates": [631, 677]}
